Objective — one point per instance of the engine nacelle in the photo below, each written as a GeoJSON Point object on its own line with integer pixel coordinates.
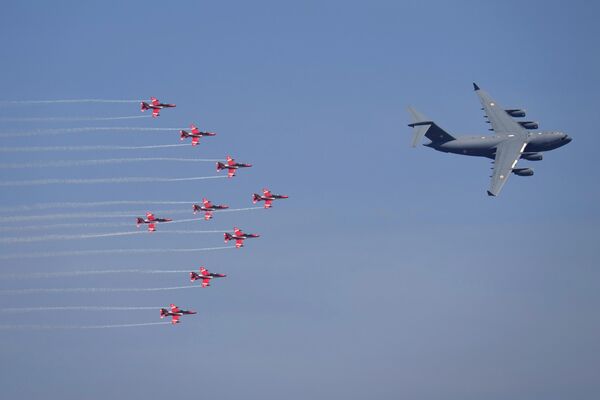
{"type": "Point", "coordinates": [515, 112]}
{"type": "Point", "coordinates": [523, 171]}
{"type": "Point", "coordinates": [529, 124]}
{"type": "Point", "coordinates": [532, 156]}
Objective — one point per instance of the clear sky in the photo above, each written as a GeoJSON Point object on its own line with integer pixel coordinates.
{"type": "Point", "coordinates": [387, 274]}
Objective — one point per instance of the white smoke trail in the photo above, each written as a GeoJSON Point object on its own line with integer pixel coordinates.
{"type": "Point", "coordinates": [54, 327]}
{"type": "Point", "coordinates": [66, 274]}
{"type": "Point", "coordinates": [107, 251]}
{"type": "Point", "coordinates": [74, 308]}
{"type": "Point", "coordinates": [63, 226]}
{"type": "Point", "coordinates": [56, 181]}
{"type": "Point", "coordinates": [63, 101]}
{"type": "Point", "coordinates": [92, 290]}
{"type": "Point", "coordinates": [63, 131]}
{"type": "Point", "coordinates": [81, 163]}
{"type": "Point", "coordinates": [68, 119]}
{"type": "Point", "coordinates": [81, 148]}
{"type": "Point", "coordinates": [46, 238]}
{"type": "Point", "coordinates": [241, 209]}
{"type": "Point", "coordinates": [102, 215]}
{"type": "Point", "coordinates": [44, 206]}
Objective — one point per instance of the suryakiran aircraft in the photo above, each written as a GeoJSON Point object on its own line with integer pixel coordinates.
{"type": "Point", "coordinates": [208, 208]}
{"type": "Point", "coordinates": [195, 134]}
{"type": "Point", "coordinates": [509, 143]}
{"type": "Point", "coordinates": [155, 106]}
{"type": "Point", "coordinates": [239, 237]}
{"type": "Point", "coordinates": [205, 275]}
{"type": "Point", "coordinates": [175, 312]}
{"type": "Point", "coordinates": [231, 166]}
{"type": "Point", "coordinates": [151, 220]}
{"type": "Point", "coordinates": [267, 197]}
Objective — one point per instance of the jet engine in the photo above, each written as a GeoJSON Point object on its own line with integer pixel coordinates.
{"type": "Point", "coordinates": [523, 171]}
{"type": "Point", "coordinates": [532, 156]}
{"type": "Point", "coordinates": [529, 124]}
{"type": "Point", "coordinates": [515, 112]}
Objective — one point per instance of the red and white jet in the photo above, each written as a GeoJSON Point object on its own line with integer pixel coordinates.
{"type": "Point", "coordinates": [151, 220]}
{"type": "Point", "coordinates": [205, 276]}
{"type": "Point", "coordinates": [195, 134]}
{"type": "Point", "coordinates": [175, 312]}
{"type": "Point", "coordinates": [155, 106]}
{"type": "Point", "coordinates": [268, 197]}
{"type": "Point", "coordinates": [208, 208]}
{"type": "Point", "coordinates": [231, 166]}
{"type": "Point", "coordinates": [239, 237]}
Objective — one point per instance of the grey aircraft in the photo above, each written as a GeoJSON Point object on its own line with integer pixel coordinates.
{"type": "Point", "coordinates": [510, 142]}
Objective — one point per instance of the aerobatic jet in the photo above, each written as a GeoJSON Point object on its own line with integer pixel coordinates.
{"type": "Point", "coordinates": [155, 106]}
{"type": "Point", "coordinates": [205, 275]}
{"type": "Point", "coordinates": [175, 312]}
{"type": "Point", "coordinates": [151, 220]}
{"type": "Point", "coordinates": [208, 208]}
{"type": "Point", "coordinates": [195, 134]}
{"type": "Point", "coordinates": [268, 197]}
{"type": "Point", "coordinates": [231, 166]}
{"type": "Point", "coordinates": [509, 143]}
{"type": "Point", "coordinates": [239, 237]}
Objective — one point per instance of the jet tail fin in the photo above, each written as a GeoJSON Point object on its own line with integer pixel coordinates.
{"type": "Point", "coordinates": [426, 127]}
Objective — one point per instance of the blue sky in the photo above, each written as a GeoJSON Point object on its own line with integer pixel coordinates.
{"type": "Point", "coordinates": [387, 273]}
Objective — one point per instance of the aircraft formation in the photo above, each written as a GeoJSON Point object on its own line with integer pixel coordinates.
{"type": "Point", "coordinates": [208, 208]}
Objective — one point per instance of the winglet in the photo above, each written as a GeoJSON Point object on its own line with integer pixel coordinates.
{"type": "Point", "coordinates": [491, 194]}
{"type": "Point", "coordinates": [475, 87]}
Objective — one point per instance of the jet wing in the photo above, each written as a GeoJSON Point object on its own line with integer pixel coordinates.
{"type": "Point", "coordinates": [154, 101]}
{"type": "Point", "coordinates": [508, 153]}
{"type": "Point", "coordinates": [195, 141]}
{"type": "Point", "coordinates": [499, 119]}
{"type": "Point", "coordinates": [268, 203]}
{"type": "Point", "coordinates": [205, 282]}
{"type": "Point", "coordinates": [231, 173]}
{"type": "Point", "coordinates": [239, 243]}
{"type": "Point", "coordinates": [155, 112]}
{"type": "Point", "coordinates": [175, 319]}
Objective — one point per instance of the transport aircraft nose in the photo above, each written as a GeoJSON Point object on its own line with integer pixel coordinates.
{"type": "Point", "coordinates": [567, 139]}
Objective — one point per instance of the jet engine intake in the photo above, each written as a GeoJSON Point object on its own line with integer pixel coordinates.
{"type": "Point", "coordinates": [529, 124]}
{"type": "Point", "coordinates": [523, 171]}
{"type": "Point", "coordinates": [532, 156]}
{"type": "Point", "coordinates": [515, 112]}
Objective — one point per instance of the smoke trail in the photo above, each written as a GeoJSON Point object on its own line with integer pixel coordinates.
{"type": "Point", "coordinates": [63, 226]}
{"type": "Point", "coordinates": [57, 181]}
{"type": "Point", "coordinates": [63, 101]}
{"type": "Point", "coordinates": [103, 215]}
{"type": "Point", "coordinates": [81, 163]}
{"type": "Point", "coordinates": [63, 131]}
{"type": "Point", "coordinates": [74, 308]}
{"type": "Point", "coordinates": [92, 290]}
{"type": "Point", "coordinates": [68, 119]}
{"type": "Point", "coordinates": [82, 148]}
{"type": "Point", "coordinates": [107, 251]}
{"type": "Point", "coordinates": [53, 327]}
{"type": "Point", "coordinates": [241, 209]}
{"type": "Point", "coordinates": [44, 206]}
{"type": "Point", "coordinates": [47, 238]}
{"type": "Point", "coordinates": [64, 274]}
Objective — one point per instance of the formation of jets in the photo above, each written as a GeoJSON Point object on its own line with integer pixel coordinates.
{"type": "Point", "coordinates": [205, 276]}
{"type": "Point", "coordinates": [267, 197]}
{"type": "Point", "coordinates": [151, 220]}
{"type": "Point", "coordinates": [195, 134]}
{"type": "Point", "coordinates": [155, 106]}
{"type": "Point", "coordinates": [231, 166]}
{"type": "Point", "coordinates": [509, 143]}
{"type": "Point", "coordinates": [208, 208]}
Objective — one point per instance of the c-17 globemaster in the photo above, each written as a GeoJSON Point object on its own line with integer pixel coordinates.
{"type": "Point", "coordinates": [510, 142]}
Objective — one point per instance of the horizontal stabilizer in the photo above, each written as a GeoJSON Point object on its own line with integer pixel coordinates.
{"type": "Point", "coordinates": [421, 125]}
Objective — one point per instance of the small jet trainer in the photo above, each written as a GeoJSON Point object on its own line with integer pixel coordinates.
{"type": "Point", "coordinates": [205, 275]}
{"type": "Point", "coordinates": [239, 237]}
{"type": "Point", "coordinates": [268, 197]}
{"type": "Point", "coordinates": [509, 143]}
{"type": "Point", "coordinates": [195, 134]}
{"type": "Point", "coordinates": [175, 312]}
{"type": "Point", "coordinates": [231, 166]}
{"type": "Point", "coordinates": [155, 106]}
{"type": "Point", "coordinates": [208, 208]}
{"type": "Point", "coordinates": [151, 220]}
